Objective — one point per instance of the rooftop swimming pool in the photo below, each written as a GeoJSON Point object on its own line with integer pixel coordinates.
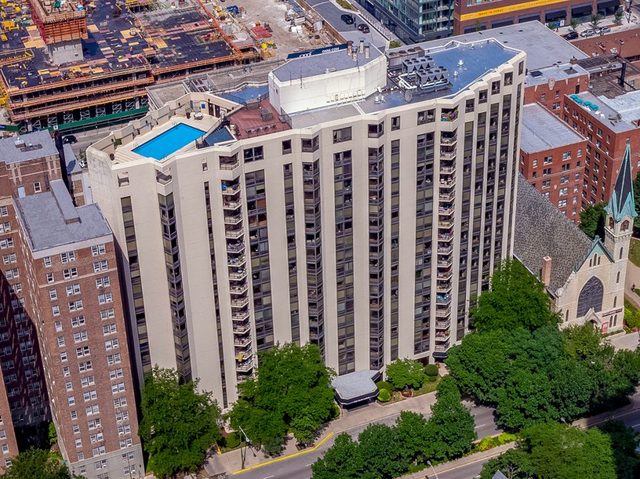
{"type": "Point", "coordinates": [169, 141]}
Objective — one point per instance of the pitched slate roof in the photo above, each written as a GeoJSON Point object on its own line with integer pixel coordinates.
{"type": "Point", "coordinates": [622, 201]}
{"type": "Point", "coordinates": [542, 230]}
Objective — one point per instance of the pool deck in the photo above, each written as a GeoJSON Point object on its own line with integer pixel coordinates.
{"type": "Point", "coordinates": [125, 153]}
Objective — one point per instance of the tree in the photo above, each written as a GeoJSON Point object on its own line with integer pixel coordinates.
{"type": "Point", "coordinates": [52, 434]}
{"type": "Point", "coordinates": [515, 464]}
{"type": "Point", "coordinates": [592, 220]}
{"type": "Point", "coordinates": [564, 452]}
{"type": "Point", "coordinates": [404, 373]}
{"type": "Point", "coordinates": [382, 456]}
{"type": "Point", "coordinates": [37, 463]}
{"type": "Point", "coordinates": [451, 427]}
{"type": "Point", "coordinates": [595, 21]}
{"type": "Point", "coordinates": [623, 443]}
{"type": "Point", "coordinates": [572, 387]}
{"type": "Point", "coordinates": [291, 392]}
{"type": "Point", "coordinates": [178, 423]}
{"type": "Point", "coordinates": [343, 460]}
{"type": "Point", "coordinates": [413, 437]}
{"type": "Point", "coordinates": [525, 400]}
{"type": "Point", "coordinates": [574, 24]}
{"type": "Point", "coordinates": [516, 298]}
{"type": "Point", "coordinates": [617, 18]}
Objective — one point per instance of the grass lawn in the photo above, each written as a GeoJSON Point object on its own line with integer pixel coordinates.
{"type": "Point", "coordinates": [428, 387]}
{"type": "Point", "coordinates": [634, 254]}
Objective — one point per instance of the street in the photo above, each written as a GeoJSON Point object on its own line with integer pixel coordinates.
{"type": "Point", "coordinates": [300, 467]}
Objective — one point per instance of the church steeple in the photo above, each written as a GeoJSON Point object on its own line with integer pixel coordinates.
{"type": "Point", "coordinates": [622, 202]}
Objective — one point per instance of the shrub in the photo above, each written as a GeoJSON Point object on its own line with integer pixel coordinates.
{"type": "Point", "coordinates": [384, 385]}
{"type": "Point", "coordinates": [232, 440]}
{"type": "Point", "coordinates": [431, 370]}
{"type": "Point", "coordinates": [384, 395]}
{"type": "Point", "coordinates": [490, 442]}
{"type": "Point", "coordinates": [394, 44]}
{"type": "Point", "coordinates": [346, 5]}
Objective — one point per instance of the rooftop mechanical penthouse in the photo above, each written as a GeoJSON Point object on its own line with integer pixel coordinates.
{"type": "Point", "coordinates": [358, 201]}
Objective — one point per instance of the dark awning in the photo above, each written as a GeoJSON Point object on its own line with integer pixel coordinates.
{"type": "Point", "coordinates": [557, 15]}
{"type": "Point", "coordinates": [530, 18]}
{"type": "Point", "coordinates": [356, 387]}
{"type": "Point", "coordinates": [581, 11]}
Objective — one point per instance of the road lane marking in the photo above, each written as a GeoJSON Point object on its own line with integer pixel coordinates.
{"type": "Point", "coordinates": [284, 458]}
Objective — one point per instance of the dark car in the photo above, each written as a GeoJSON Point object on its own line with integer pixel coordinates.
{"type": "Point", "coordinates": [70, 139]}
{"type": "Point", "coordinates": [363, 27]}
{"type": "Point", "coordinates": [571, 36]}
{"type": "Point", "coordinates": [348, 19]}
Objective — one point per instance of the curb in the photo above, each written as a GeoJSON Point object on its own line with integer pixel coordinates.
{"type": "Point", "coordinates": [284, 458]}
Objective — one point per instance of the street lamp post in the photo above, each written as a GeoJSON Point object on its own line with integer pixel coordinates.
{"type": "Point", "coordinates": [434, 471]}
{"type": "Point", "coordinates": [243, 449]}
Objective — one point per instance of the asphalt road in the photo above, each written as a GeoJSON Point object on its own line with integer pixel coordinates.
{"type": "Point", "coordinates": [300, 467]}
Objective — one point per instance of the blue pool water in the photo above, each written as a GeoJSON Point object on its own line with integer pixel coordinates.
{"type": "Point", "coordinates": [169, 142]}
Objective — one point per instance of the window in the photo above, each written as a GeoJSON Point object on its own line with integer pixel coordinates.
{"type": "Point", "coordinates": [70, 273]}
{"type": "Point", "coordinates": [77, 321]}
{"type": "Point", "coordinates": [50, 278]}
{"type": "Point", "coordinates": [103, 282]}
{"type": "Point", "coordinates": [83, 351]}
{"type": "Point", "coordinates": [68, 386]}
{"type": "Point", "coordinates": [63, 356]}
{"type": "Point", "coordinates": [12, 273]}
{"type": "Point", "coordinates": [46, 261]}
{"type": "Point", "coordinates": [85, 366]}
{"type": "Point", "coordinates": [395, 123]}
{"type": "Point", "coordinates": [9, 258]}
{"type": "Point", "coordinates": [111, 344]}
{"type": "Point", "coordinates": [253, 154]}
{"type": "Point", "coordinates": [75, 428]}
{"type": "Point", "coordinates": [73, 289]}
{"type": "Point", "coordinates": [60, 340]}
{"type": "Point", "coordinates": [426, 116]}
{"type": "Point", "coordinates": [120, 402]}
{"type": "Point", "coordinates": [105, 298]}
{"type": "Point", "coordinates": [564, 191]}
{"type": "Point", "coordinates": [310, 145]}
{"type": "Point", "coordinates": [53, 294]}
{"type": "Point", "coordinates": [74, 415]}
{"type": "Point", "coordinates": [58, 326]}
{"type": "Point", "coordinates": [87, 381]}
{"type": "Point", "coordinates": [68, 256]}
{"type": "Point", "coordinates": [75, 305]}
{"type": "Point", "coordinates": [376, 131]}
{"type": "Point", "coordinates": [117, 388]}
{"type": "Point", "coordinates": [4, 211]}
{"type": "Point", "coordinates": [78, 443]}
{"type": "Point", "coordinates": [562, 203]}
{"type": "Point", "coordinates": [116, 373]}
{"type": "Point", "coordinates": [566, 155]}
{"type": "Point", "coordinates": [80, 336]}
{"type": "Point", "coordinates": [100, 266]}
{"type": "Point", "coordinates": [94, 423]}
{"type": "Point", "coordinates": [342, 134]}
{"type": "Point", "coordinates": [92, 409]}
{"type": "Point", "coordinates": [90, 395]}
{"type": "Point", "coordinates": [546, 171]}
{"type": "Point", "coordinates": [286, 147]}
{"type": "Point", "coordinates": [109, 329]}
{"type": "Point", "coordinates": [71, 400]}
{"type": "Point", "coordinates": [6, 243]}
{"type": "Point", "coordinates": [98, 250]}
{"type": "Point", "coordinates": [113, 359]}
{"type": "Point", "coordinates": [107, 314]}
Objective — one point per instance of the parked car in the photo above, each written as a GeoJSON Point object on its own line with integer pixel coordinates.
{"type": "Point", "coordinates": [363, 27]}
{"type": "Point", "coordinates": [70, 139]}
{"type": "Point", "coordinates": [348, 19]}
{"type": "Point", "coordinates": [603, 30]}
{"type": "Point", "coordinates": [571, 36]}
{"type": "Point", "coordinates": [588, 33]}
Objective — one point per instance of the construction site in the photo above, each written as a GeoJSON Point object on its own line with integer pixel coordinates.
{"type": "Point", "coordinates": [73, 64]}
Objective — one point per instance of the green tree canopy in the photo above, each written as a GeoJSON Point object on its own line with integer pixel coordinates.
{"type": "Point", "coordinates": [37, 463]}
{"type": "Point", "coordinates": [379, 447]}
{"type": "Point", "coordinates": [343, 460]}
{"type": "Point", "coordinates": [516, 298]}
{"type": "Point", "coordinates": [592, 220]}
{"type": "Point", "coordinates": [403, 373]}
{"type": "Point", "coordinates": [178, 423]}
{"type": "Point", "coordinates": [291, 392]}
{"type": "Point", "coordinates": [451, 425]}
{"type": "Point", "coordinates": [413, 435]}
{"type": "Point", "coordinates": [623, 443]}
{"type": "Point", "coordinates": [514, 464]}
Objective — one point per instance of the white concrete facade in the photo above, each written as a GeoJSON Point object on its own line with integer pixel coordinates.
{"type": "Point", "coordinates": [370, 246]}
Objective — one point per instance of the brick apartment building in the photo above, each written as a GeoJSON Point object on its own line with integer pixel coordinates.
{"type": "Point", "coordinates": [60, 283]}
{"type": "Point", "coordinates": [608, 124]}
{"type": "Point", "coordinates": [552, 159]}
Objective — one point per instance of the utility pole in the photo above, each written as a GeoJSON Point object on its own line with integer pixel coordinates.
{"type": "Point", "coordinates": [243, 449]}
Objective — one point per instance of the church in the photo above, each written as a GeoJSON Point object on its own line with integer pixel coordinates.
{"type": "Point", "coordinates": [585, 278]}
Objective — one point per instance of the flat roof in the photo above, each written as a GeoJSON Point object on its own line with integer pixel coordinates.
{"type": "Point", "coordinates": [542, 130]}
{"type": "Point", "coordinates": [50, 219]}
{"type": "Point", "coordinates": [542, 46]}
{"type": "Point", "coordinates": [558, 72]}
{"type": "Point", "coordinates": [29, 146]}
{"type": "Point", "coordinates": [354, 387]}
{"type": "Point", "coordinates": [604, 112]}
{"type": "Point", "coordinates": [305, 67]}
{"type": "Point", "coordinates": [628, 105]}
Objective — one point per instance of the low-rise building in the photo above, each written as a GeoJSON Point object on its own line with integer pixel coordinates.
{"type": "Point", "coordinates": [552, 159]}
{"type": "Point", "coordinates": [585, 278]}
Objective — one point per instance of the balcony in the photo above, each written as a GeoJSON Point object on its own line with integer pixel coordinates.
{"type": "Point", "coordinates": [446, 196]}
{"type": "Point", "coordinates": [442, 348]}
{"type": "Point", "coordinates": [445, 263]}
{"type": "Point", "coordinates": [245, 366]}
{"type": "Point", "coordinates": [242, 341]}
{"type": "Point", "coordinates": [442, 337]}
{"type": "Point", "coordinates": [237, 261]}
{"type": "Point", "coordinates": [448, 140]}
{"type": "Point", "coordinates": [445, 237]}
{"type": "Point", "coordinates": [241, 289]}
{"type": "Point", "coordinates": [230, 190]}
{"type": "Point", "coordinates": [448, 183]}
{"type": "Point", "coordinates": [443, 287]}
{"type": "Point", "coordinates": [444, 275]}
{"type": "Point", "coordinates": [240, 302]}
{"type": "Point", "coordinates": [445, 224]}
{"type": "Point", "coordinates": [443, 324]}
{"type": "Point", "coordinates": [233, 234]}
{"type": "Point", "coordinates": [232, 219]}
{"type": "Point", "coordinates": [447, 170]}
{"type": "Point", "coordinates": [443, 299]}
{"type": "Point", "coordinates": [443, 312]}
{"type": "Point", "coordinates": [445, 210]}
{"type": "Point", "coordinates": [241, 329]}
{"type": "Point", "coordinates": [230, 205]}
{"type": "Point", "coordinates": [238, 275]}
{"type": "Point", "coordinates": [240, 316]}
{"type": "Point", "coordinates": [235, 248]}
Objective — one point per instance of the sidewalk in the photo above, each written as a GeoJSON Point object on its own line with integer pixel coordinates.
{"type": "Point", "coordinates": [362, 416]}
{"type": "Point", "coordinates": [632, 278]}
